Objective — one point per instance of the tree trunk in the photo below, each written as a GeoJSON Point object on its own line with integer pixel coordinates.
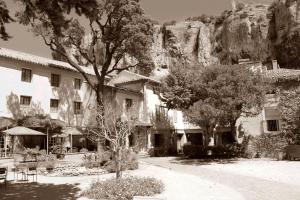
{"type": "Point", "coordinates": [118, 164]}
{"type": "Point", "coordinates": [100, 105]}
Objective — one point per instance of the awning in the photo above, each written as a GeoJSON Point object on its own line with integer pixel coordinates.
{"type": "Point", "coordinates": [60, 135]}
{"type": "Point", "coordinates": [142, 124]}
{"type": "Point", "coordinates": [20, 130]}
{"type": "Point", "coordinates": [6, 122]}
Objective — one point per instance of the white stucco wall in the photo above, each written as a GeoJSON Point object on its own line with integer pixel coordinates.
{"type": "Point", "coordinates": [40, 90]}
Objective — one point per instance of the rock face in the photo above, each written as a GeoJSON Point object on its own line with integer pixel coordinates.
{"type": "Point", "coordinates": [256, 31]}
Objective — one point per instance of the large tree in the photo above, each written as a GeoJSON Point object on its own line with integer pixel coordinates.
{"type": "Point", "coordinates": [5, 18]}
{"type": "Point", "coordinates": [216, 95]}
{"type": "Point", "coordinates": [97, 33]}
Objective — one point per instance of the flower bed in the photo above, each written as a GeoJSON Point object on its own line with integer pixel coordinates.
{"type": "Point", "coordinates": [69, 169]}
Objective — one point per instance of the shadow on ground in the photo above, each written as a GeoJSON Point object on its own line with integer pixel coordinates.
{"type": "Point", "coordinates": [206, 161]}
{"type": "Point", "coordinates": [38, 191]}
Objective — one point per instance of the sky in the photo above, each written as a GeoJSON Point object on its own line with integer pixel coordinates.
{"type": "Point", "coordinates": [160, 10]}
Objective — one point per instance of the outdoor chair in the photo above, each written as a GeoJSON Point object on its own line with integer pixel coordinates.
{"type": "Point", "coordinates": [19, 169]}
{"type": "Point", "coordinates": [31, 171]}
{"type": "Point", "coordinates": [3, 175]}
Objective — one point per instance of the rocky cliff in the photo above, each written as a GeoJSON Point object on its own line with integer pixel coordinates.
{"type": "Point", "coordinates": [259, 32]}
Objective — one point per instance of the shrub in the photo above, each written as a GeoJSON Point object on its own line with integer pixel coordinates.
{"type": "Point", "coordinates": [124, 188]}
{"type": "Point", "coordinates": [227, 151]}
{"type": "Point", "coordinates": [267, 145]}
{"type": "Point", "coordinates": [84, 150]}
{"type": "Point", "coordinates": [244, 15]}
{"type": "Point", "coordinates": [129, 161]}
{"type": "Point", "coordinates": [95, 160]}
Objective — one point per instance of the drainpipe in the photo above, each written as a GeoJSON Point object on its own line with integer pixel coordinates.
{"type": "Point", "coordinates": [5, 144]}
{"type": "Point", "coordinates": [47, 139]}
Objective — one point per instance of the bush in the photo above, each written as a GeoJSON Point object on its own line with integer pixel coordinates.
{"type": "Point", "coordinates": [129, 162]}
{"type": "Point", "coordinates": [83, 150]}
{"type": "Point", "coordinates": [124, 188]}
{"type": "Point", "coordinates": [244, 15]}
{"type": "Point", "coordinates": [96, 160]}
{"type": "Point", "coordinates": [227, 151]}
{"type": "Point", "coordinates": [267, 145]}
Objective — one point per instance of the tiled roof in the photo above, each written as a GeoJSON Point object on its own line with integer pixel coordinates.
{"type": "Point", "coordinates": [128, 77]}
{"type": "Point", "coordinates": [282, 74]}
{"type": "Point", "coordinates": [26, 57]}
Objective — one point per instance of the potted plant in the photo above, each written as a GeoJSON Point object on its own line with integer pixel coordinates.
{"type": "Point", "coordinates": [50, 165]}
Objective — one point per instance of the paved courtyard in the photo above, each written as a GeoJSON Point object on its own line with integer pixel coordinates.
{"type": "Point", "coordinates": [250, 179]}
{"type": "Point", "coordinates": [184, 180]}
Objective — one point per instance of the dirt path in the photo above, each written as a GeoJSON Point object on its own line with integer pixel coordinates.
{"type": "Point", "coordinates": [251, 188]}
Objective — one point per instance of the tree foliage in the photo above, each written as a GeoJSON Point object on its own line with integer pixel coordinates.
{"type": "Point", "coordinates": [116, 29]}
{"type": "Point", "coordinates": [289, 106]}
{"type": "Point", "coordinates": [288, 50]}
{"type": "Point", "coordinates": [217, 95]}
{"type": "Point", "coordinates": [5, 18]}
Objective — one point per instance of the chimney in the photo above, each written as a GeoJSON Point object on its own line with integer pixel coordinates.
{"type": "Point", "coordinates": [274, 64]}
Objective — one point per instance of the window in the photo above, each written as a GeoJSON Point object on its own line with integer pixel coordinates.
{"type": "Point", "coordinates": [77, 108]}
{"type": "Point", "coordinates": [128, 103]}
{"type": "Point", "coordinates": [273, 125]}
{"type": "Point", "coordinates": [25, 100]}
{"type": "Point", "coordinates": [26, 75]}
{"type": "Point", "coordinates": [77, 83]}
{"type": "Point", "coordinates": [54, 105]}
{"type": "Point", "coordinates": [55, 80]}
{"type": "Point", "coordinates": [161, 113]}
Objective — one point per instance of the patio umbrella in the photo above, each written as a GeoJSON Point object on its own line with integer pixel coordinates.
{"type": "Point", "coordinates": [72, 131]}
{"type": "Point", "coordinates": [62, 135]}
{"type": "Point", "coordinates": [20, 130]}
{"type": "Point", "coordinates": [23, 131]}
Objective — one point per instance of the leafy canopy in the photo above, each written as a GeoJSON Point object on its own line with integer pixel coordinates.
{"type": "Point", "coordinates": [5, 18]}
{"type": "Point", "coordinates": [215, 95]}
{"type": "Point", "coordinates": [96, 33]}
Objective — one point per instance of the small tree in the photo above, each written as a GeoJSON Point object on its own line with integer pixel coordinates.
{"type": "Point", "coordinates": [204, 115]}
{"type": "Point", "coordinates": [114, 127]}
{"type": "Point", "coordinates": [289, 106]}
